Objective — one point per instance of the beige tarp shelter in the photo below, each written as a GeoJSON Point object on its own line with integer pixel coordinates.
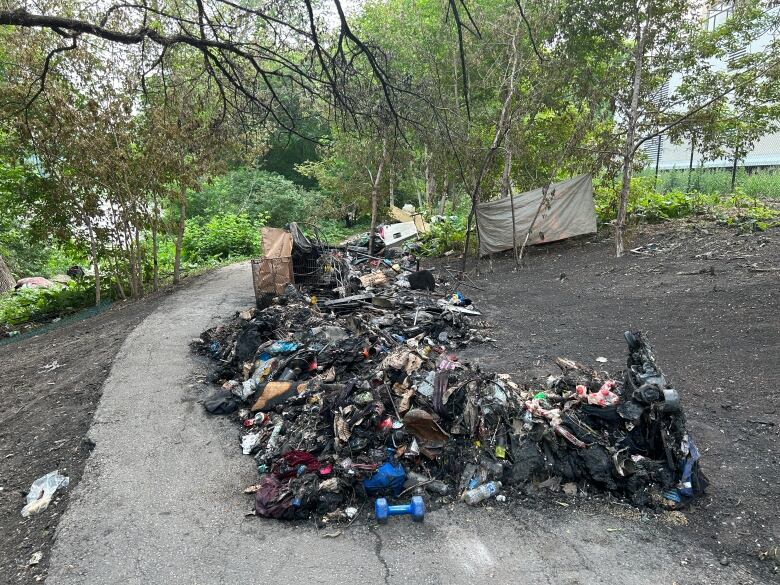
{"type": "Point", "coordinates": [570, 213]}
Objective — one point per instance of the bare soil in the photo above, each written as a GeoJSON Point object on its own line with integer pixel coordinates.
{"type": "Point", "coordinates": [45, 413]}
{"type": "Point", "coordinates": [709, 300]}
{"type": "Point", "coordinates": [700, 291]}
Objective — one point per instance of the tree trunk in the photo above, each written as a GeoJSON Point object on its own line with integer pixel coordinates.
{"type": "Point", "coordinates": [430, 182]}
{"type": "Point", "coordinates": [542, 203]}
{"type": "Point", "coordinates": [7, 281]}
{"type": "Point", "coordinates": [180, 238]}
{"type": "Point", "coordinates": [139, 262]}
{"type": "Point", "coordinates": [392, 192]}
{"type": "Point", "coordinates": [453, 195]}
{"type": "Point", "coordinates": [734, 169]}
{"type": "Point", "coordinates": [506, 191]}
{"type": "Point", "coordinates": [443, 199]}
{"type": "Point", "coordinates": [131, 275]}
{"type": "Point", "coordinates": [502, 128]}
{"type": "Point", "coordinates": [375, 196]}
{"type": "Point", "coordinates": [118, 278]}
{"type": "Point", "coordinates": [628, 156]}
{"type": "Point", "coordinates": [155, 259]}
{"type": "Point", "coordinates": [690, 163]}
{"type": "Point", "coordinates": [95, 260]}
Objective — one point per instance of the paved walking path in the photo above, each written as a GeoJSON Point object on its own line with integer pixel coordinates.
{"type": "Point", "coordinates": [161, 502]}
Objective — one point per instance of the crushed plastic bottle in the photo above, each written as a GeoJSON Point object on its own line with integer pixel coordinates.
{"type": "Point", "coordinates": [483, 492]}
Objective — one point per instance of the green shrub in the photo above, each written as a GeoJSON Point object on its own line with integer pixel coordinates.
{"type": "Point", "coordinates": [656, 207]}
{"type": "Point", "coordinates": [749, 214]}
{"type": "Point", "coordinates": [35, 304]}
{"type": "Point", "coordinates": [645, 204]}
{"type": "Point", "coordinates": [606, 196]}
{"type": "Point", "coordinates": [221, 237]}
{"type": "Point", "coordinates": [259, 194]}
{"type": "Point", "coordinates": [447, 234]}
{"type": "Point", "coordinates": [333, 231]}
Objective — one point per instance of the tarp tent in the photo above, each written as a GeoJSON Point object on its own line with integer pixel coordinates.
{"type": "Point", "coordinates": [570, 213]}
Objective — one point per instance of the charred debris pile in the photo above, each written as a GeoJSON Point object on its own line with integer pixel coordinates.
{"type": "Point", "coordinates": [344, 400]}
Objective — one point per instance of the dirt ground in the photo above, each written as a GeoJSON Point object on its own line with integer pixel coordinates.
{"type": "Point", "coordinates": [699, 291]}
{"type": "Point", "coordinates": [51, 385]}
{"type": "Point", "coordinates": [709, 300]}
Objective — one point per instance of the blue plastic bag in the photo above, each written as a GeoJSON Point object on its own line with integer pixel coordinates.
{"type": "Point", "coordinates": [686, 485]}
{"type": "Point", "coordinates": [390, 476]}
{"type": "Point", "coordinates": [283, 347]}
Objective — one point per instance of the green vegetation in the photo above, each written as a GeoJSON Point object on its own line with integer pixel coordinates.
{"type": "Point", "coordinates": [758, 184]}
{"type": "Point", "coordinates": [222, 236]}
{"type": "Point", "coordinates": [146, 159]}
{"type": "Point", "coordinates": [445, 235]}
{"type": "Point", "coordinates": [37, 304]}
{"type": "Point", "coordinates": [259, 194]}
{"type": "Point", "coordinates": [648, 205]}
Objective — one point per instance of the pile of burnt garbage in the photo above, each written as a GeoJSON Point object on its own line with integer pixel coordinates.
{"type": "Point", "coordinates": [346, 400]}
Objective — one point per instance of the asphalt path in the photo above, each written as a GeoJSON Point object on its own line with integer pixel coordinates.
{"type": "Point", "coordinates": [161, 499]}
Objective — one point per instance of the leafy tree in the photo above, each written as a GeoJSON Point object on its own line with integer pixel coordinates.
{"type": "Point", "coordinates": [652, 40]}
{"type": "Point", "coordinates": [257, 193]}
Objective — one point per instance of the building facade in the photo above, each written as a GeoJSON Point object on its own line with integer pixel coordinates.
{"type": "Point", "coordinates": [665, 155]}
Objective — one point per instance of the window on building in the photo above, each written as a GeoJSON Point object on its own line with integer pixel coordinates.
{"type": "Point", "coordinates": [718, 13]}
{"type": "Point", "coordinates": [654, 149]}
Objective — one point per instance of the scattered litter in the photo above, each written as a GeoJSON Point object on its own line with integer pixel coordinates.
{"type": "Point", "coordinates": [50, 367]}
{"type": "Point", "coordinates": [332, 534]}
{"type": "Point", "coordinates": [602, 360]}
{"type": "Point", "coordinates": [41, 492]}
{"type": "Point", "coordinates": [36, 558]}
{"type": "Point", "coordinates": [570, 488]}
{"type": "Point", "coordinates": [483, 492]}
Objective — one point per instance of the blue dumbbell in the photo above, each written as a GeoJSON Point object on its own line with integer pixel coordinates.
{"type": "Point", "coordinates": [416, 509]}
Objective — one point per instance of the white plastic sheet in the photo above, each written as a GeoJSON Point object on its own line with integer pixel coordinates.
{"type": "Point", "coordinates": [41, 492]}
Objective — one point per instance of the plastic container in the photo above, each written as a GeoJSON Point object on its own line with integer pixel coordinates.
{"type": "Point", "coordinates": [483, 492]}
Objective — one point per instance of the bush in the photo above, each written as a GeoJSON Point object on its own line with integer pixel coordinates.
{"type": "Point", "coordinates": [334, 231]}
{"type": "Point", "coordinates": [259, 194]}
{"type": "Point", "coordinates": [221, 237]}
{"type": "Point", "coordinates": [656, 207]}
{"type": "Point", "coordinates": [606, 196]}
{"type": "Point", "coordinates": [444, 235]}
{"type": "Point", "coordinates": [36, 304]}
{"type": "Point", "coordinates": [645, 204]}
{"type": "Point", "coordinates": [747, 213]}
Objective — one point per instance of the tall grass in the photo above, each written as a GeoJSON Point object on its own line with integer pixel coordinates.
{"type": "Point", "coordinates": [757, 184]}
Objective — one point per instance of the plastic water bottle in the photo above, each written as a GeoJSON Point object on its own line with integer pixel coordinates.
{"type": "Point", "coordinates": [483, 492]}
